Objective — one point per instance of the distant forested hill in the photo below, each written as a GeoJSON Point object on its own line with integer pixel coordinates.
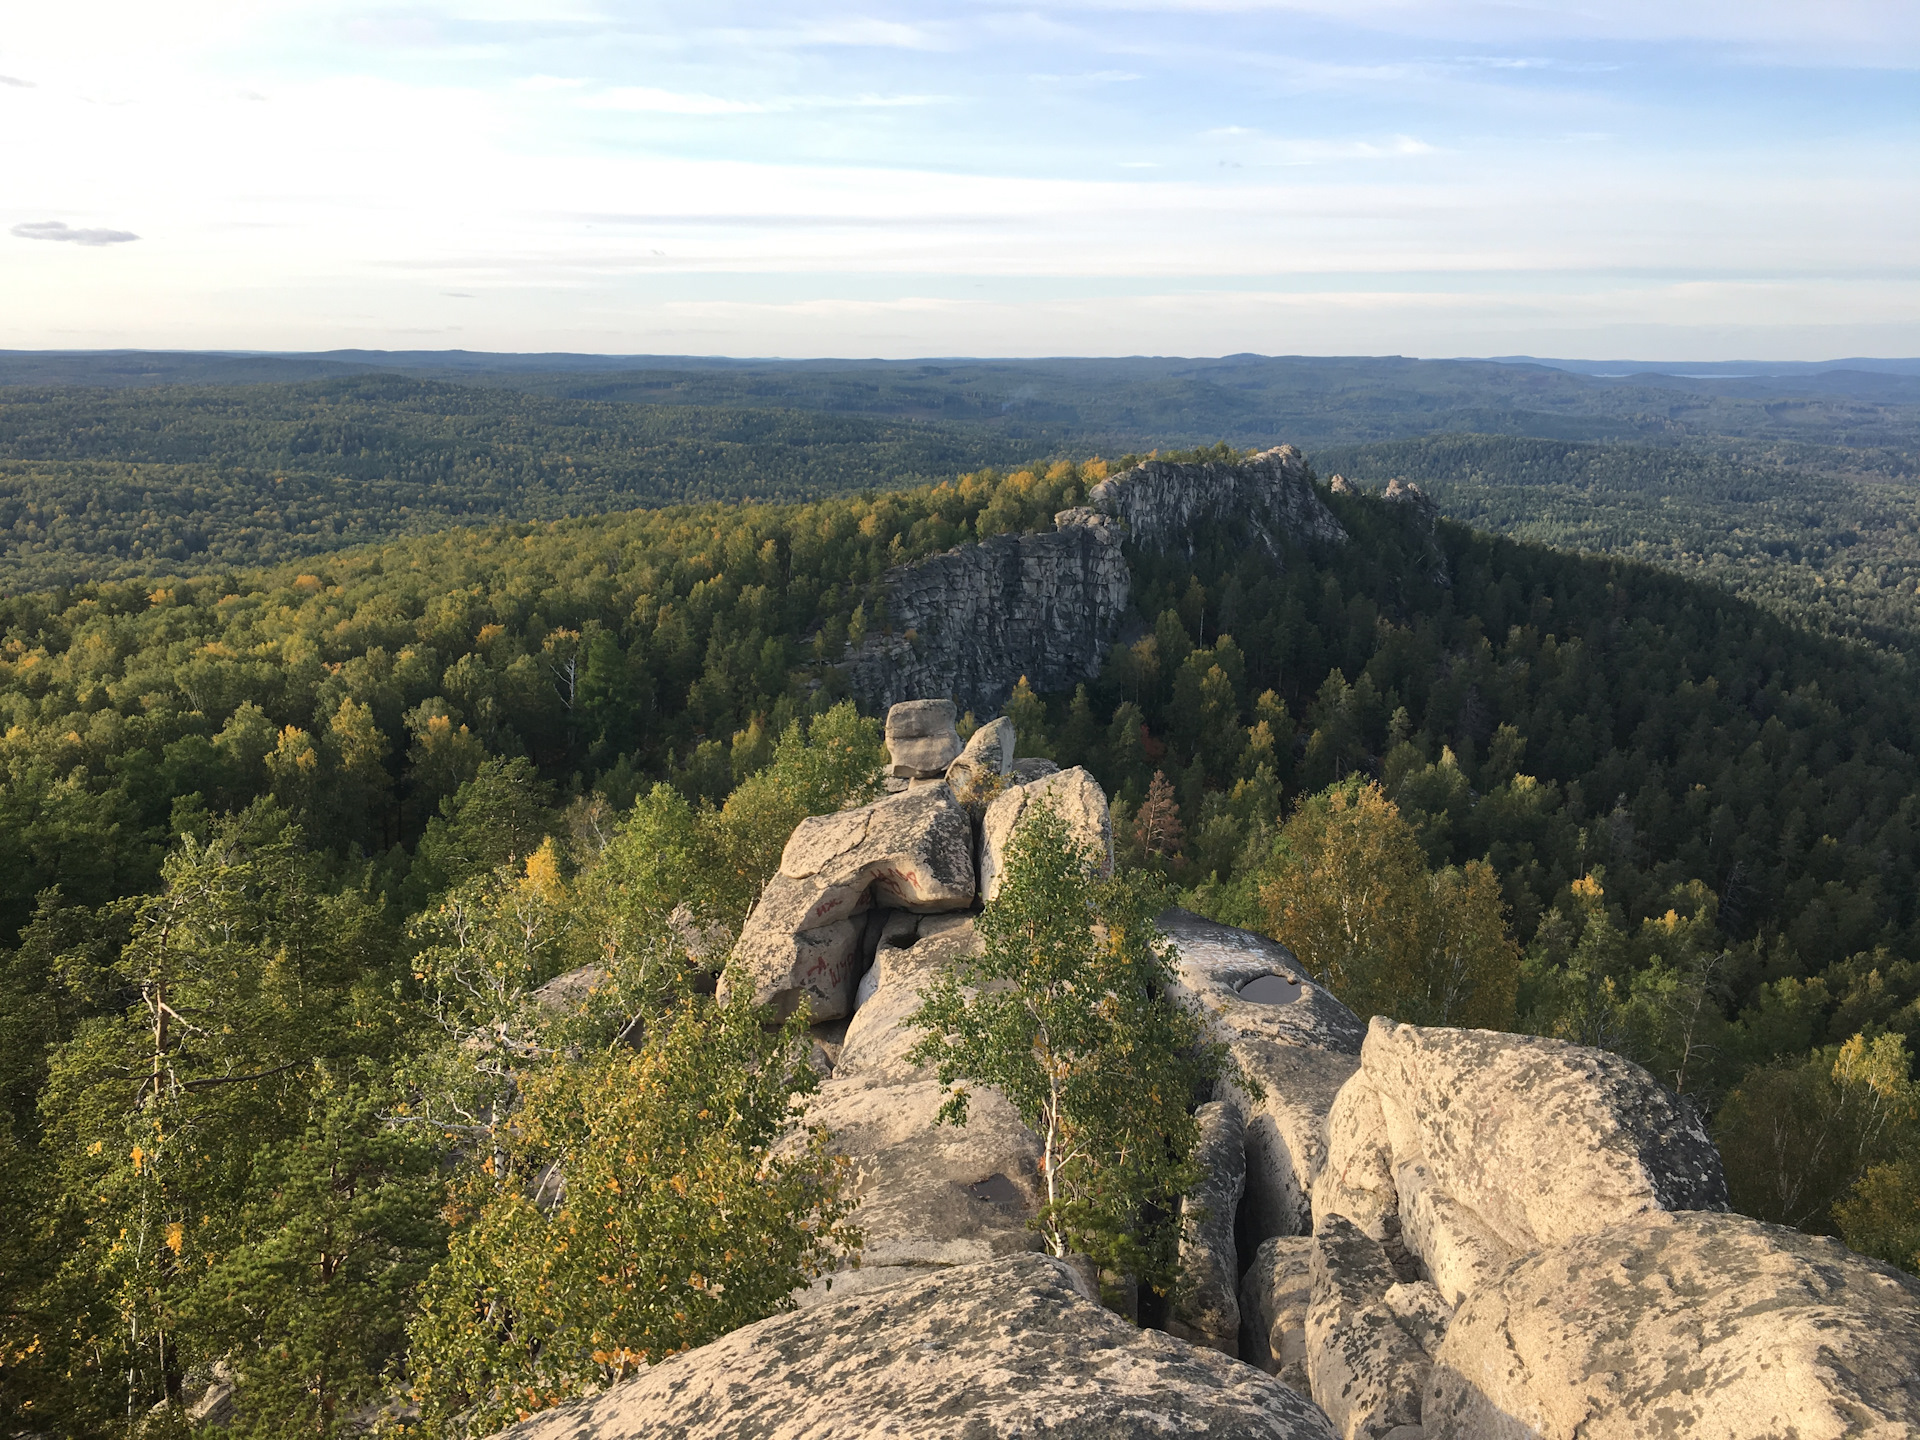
{"type": "Point", "coordinates": [1832, 537]}
{"type": "Point", "coordinates": [98, 483]}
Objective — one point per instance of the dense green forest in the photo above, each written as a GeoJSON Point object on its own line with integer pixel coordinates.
{"type": "Point", "coordinates": [1828, 537]}
{"type": "Point", "coordinates": [99, 484]}
{"type": "Point", "coordinates": [354, 810]}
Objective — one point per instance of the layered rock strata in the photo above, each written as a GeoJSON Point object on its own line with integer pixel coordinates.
{"type": "Point", "coordinates": [1009, 1348]}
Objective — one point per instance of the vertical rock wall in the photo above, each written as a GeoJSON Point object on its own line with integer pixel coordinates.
{"type": "Point", "coordinates": [969, 623]}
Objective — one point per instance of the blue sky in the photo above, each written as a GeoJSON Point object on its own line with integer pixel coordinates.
{"type": "Point", "coordinates": [1629, 178]}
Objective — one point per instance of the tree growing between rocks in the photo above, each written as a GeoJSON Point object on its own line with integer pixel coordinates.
{"type": "Point", "coordinates": [1066, 1011]}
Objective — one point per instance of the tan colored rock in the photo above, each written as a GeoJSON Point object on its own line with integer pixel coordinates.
{"type": "Point", "coordinates": [1006, 1349]}
{"type": "Point", "coordinates": [1697, 1324]}
{"type": "Point", "coordinates": [922, 740]}
{"type": "Point", "coordinates": [1357, 1180]}
{"type": "Point", "coordinates": [1274, 1296]}
{"type": "Point", "coordinates": [1366, 1371]}
{"type": "Point", "coordinates": [905, 852]}
{"type": "Point", "coordinates": [1081, 803]}
{"type": "Point", "coordinates": [1500, 1145]}
{"type": "Point", "coordinates": [989, 755]}
{"type": "Point", "coordinates": [930, 1195]}
{"type": "Point", "coordinates": [1300, 1051]}
{"type": "Point", "coordinates": [1206, 1300]}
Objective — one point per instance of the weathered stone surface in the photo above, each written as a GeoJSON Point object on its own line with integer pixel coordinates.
{"type": "Point", "coordinates": [1274, 1296]}
{"type": "Point", "coordinates": [989, 753]}
{"type": "Point", "coordinates": [1300, 1052]}
{"type": "Point", "coordinates": [1011, 1348]}
{"type": "Point", "coordinates": [1025, 772]}
{"type": "Point", "coordinates": [921, 739]}
{"type": "Point", "coordinates": [905, 852]}
{"type": "Point", "coordinates": [1074, 793]}
{"type": "Point", "coordinates": [1206, 1300]}
{"type": "Point", "coordinates": [1699, 1324]}
{"type": "Point", "coordinates": [970, 622]}
{"type": "Point", "coordinates": [1367, 1372]}
{"type": "Point", "coordinates": [1268, 497]}
{"type": "Point", "coordinates": [930, 1195]}
{"type": "Point", "coordinates": [1357, 1179]}
{"type": "Point", "coordinates": [1505, 1144]}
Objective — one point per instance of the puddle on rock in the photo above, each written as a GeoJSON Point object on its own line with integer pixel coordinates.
{"type": "Point", "coordinates": [1270, 990]}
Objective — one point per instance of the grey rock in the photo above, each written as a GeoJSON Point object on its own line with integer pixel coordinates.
{"type": "Point", "coordinates": [969, 623]}
{"type": "Point", "coordinates": [802, 940]}
{"type": "Point", "coordinates": [1081, 803]}
{"type": "Point", "coordinates": [922, 740]}
{"type": "Point", "coordinates": [1367, 1372]}
{"type": "Point", "coordinates": [1025, 772]}
{"type": "Point", "coordinates": [1501, 1145]}
{"type": "Point", "coordinates": [1267, 497]}
{"type": "Point", "coordinates": [1692, 1323]}
{"type": "Point", "coordinates": [1274, 1296]}
{"type": "Point", "coordinates": [989, 755]}
{"type": "Point", "coordinates": [1005, 1349]}
{"type": "Point", "coordinates": [1206, 1301]}
{"type": "Point", "coordinates": [1300, 1053]}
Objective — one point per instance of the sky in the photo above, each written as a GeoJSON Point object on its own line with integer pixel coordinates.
{"type": "Point", "coordinates": [1647, 179]}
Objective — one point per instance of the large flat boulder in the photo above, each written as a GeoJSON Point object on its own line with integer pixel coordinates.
{"type": "Point", "coordinates": [1081, 803]}
{"type": "Point", "coordinates": [1004, 1349]}
{"type": "Point", "coordinates": [1699, 1324]}
{"type": "Point", "coordinates": [1290, 1036]}
{"type": "Point", "coordinates": [1206, 1298]}
{"type": "Point", "coordinates": [1500, 1145]}
{"type": "Point", "coordinates": [909, 852]}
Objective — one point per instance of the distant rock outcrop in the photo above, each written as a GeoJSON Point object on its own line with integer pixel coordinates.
{"type": "Point", "coordinates": [969, 623]}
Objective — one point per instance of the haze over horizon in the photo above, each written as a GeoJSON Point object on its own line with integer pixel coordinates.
{"type": "Point", "coordinates": [1698, 181]}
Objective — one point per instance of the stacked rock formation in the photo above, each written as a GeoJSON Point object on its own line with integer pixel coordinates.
{"type": "Point", "coordinates": [1399, 1232]}
{"type": "Point", "coordinates": [969, 623]}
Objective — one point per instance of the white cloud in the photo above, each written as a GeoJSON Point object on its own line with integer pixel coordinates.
{"type": "Point", "coordinates": [60, 230]}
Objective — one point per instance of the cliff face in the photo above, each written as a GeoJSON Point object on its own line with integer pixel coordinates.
{"type": "Point", "coordinates": [968, 624]}
{"type": "Point", "coordinates": [1268, 496]}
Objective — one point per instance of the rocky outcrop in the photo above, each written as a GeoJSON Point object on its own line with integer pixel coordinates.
{"type": "Point", "coordinates": [1269, 498]}
{"type": "Point", "coordinates": [1011, 1348]}
{"type": "Point", "coordinates": [987, 757]}
{"type": "Point", "coordinates": [1289, 1036]}
{"type": "Point", "coordinates": [922, 740]}
{"type": "Point", "coordinates": [969, 623]}
{"type": "Point", "coordinates": [1078, 798]}
{"type": "Point", "coordinates": [929, 1195]}
{"type": "Point", "coordinates": [1696, 1324]}
{"type": "Point", "coordinates": [802, 940]}
{"type": "Point", "coordinates": [1367, 1372]}
{"type": "Point", "coordinates": [1206, 1300]}
{"type": "Point", "coordinates": [1274, 1296]}
{"type": "Point", "coordinates": [1499, 1145]}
